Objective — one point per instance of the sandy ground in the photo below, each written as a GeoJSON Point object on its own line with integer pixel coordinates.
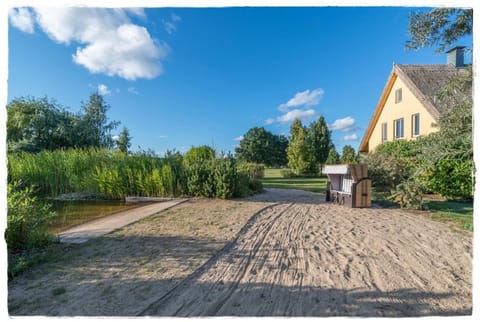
{"type": "Point", "coordinates": [281, 253]}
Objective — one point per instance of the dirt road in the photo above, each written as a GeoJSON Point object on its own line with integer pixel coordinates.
{"type": "Point", "coordinates": [296, 256]}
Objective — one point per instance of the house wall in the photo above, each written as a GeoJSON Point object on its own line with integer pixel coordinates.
{"type": "Point", "coordinates": [408, 106]}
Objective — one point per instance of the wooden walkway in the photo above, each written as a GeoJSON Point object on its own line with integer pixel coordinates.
{"type": "Point", "coordinates": [102, 226]}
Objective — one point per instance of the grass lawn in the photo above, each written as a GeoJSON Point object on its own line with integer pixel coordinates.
{"type": "Point", "coordinates": [273, 179]}
{"type": "Point", "coordinates": [457, 213]}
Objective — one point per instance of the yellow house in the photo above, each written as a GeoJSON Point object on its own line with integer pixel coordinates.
{"type": "Point", "coordinates": [408, 107]}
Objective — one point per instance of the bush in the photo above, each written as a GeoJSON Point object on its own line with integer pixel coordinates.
{"type": "Point", "coordinates": [287, 173]}
{"type": "Point", "coordinates": [392, 164]}
{"type": "Point", "coordinates": [225, 177]}
{"type": "Point", "coordinates": [408, 195]}
{"type": "Point", "coordinates": [254, 170]}
{"type": "Point", "coordinates": [199, 179]}
{"type": "Point", "coordinates": [26, 220]}
{"type": "Point", "coordinates": [453, 179]}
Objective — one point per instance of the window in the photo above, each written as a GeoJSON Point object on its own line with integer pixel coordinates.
{"type": "Point", "coordinates": [398, 128]}
{"type": "Point", "coordinates": [398, 95]}
{"type": "Point", "coordinates": [415, 125]}
{"type": "Point", "coordinates": [384, 132]}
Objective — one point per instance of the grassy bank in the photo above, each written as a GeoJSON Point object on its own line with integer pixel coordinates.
{"type": "Point", "coordinates": [274, 179]}
{"type": "Point", "coordinates": [459, 214]}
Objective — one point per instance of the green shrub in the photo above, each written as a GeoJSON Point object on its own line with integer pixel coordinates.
{"type": "Point", "coordinates": [408, 195]}
{"type": "Point", "coordinates": [225, 177]}
{"type": "Point", "coordinates": [26, 219]}
{"type": "Point", "coordinates": [254, 170]}
{"type": "Point", "coordinates": [453, 179]}
{"type": "Point", "coordinates": [200, 181]}
{"type": "Point", "coordinates": [287, 173]}
{"type": "Point", "coordinates": [392, 164]}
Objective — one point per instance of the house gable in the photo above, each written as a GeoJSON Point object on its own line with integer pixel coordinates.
{"type": "Point", "coordinates": [419, 84]}
{"type": "Point", "coordinates": [401, 109]}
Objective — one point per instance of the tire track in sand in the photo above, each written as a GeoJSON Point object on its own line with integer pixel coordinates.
{"type": "Point", "coordinates": [230, 264]}
{"type": "Point", "coordinates": [308, 258]}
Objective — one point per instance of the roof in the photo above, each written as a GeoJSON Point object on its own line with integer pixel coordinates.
{"type": "Point", "coordinates": [428, 80]}
{"type": "Point", "coordinates": [424, 81]}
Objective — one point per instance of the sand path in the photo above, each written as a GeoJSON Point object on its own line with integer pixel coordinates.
{"type": "Point", "coordinates": [305, 258]}
{"type": "Point", "coordinates": [296, 256]}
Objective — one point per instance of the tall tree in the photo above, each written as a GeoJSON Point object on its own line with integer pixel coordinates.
{"type": "Point", "coordinates": [319, 137]}
{"type": "Point", "coordinates": [348, 155]}
{"type": "Point", "coordinates": [124, 140]}
{"type": "Point", "coordinates": [333, 156]}
{"type": "Point", "coordinates": [440, 27]}
{"type": "Point", "coordinates": [94, 126]}
{"type": "Point", "coordinates": [38, 124]}
{"type": "Point", "coordinates": [447, 155]}
{"type": "Point", "coordinates": [300, 154]}
{"type": "Point", "coordinates": [261, 146]}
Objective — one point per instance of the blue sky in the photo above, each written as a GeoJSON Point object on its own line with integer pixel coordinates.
{"type": "Point", "coordinates": [182, 77]}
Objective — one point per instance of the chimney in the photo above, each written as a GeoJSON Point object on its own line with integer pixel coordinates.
{"type": "Point", "coordinates": [455, 56]}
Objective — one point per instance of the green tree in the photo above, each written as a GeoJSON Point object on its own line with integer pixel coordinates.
{"type": "Point", "coordinates": [319, 137]}
{"type": "Point", "coordinates": [348, 155]}
{"type": "Point", "coordinates": [124, 140]}
{"type": "Point", "coordinates": [278, 157]}
{"type": "Point", "coordinates": [439, 27]}
{"type": "Point", "coordinates": [261, 146]}
{"type": "Point", "coordinates": [94, 127]}
{"type": "Point", "coordinates": [199, 154]}
{"type": "Point", "coordinates": [333, 156]}
{"type": "Point", "coordinates": [38, 124]}
{"type": "Point", "coordinates": [447, 155]}
{"type": "Point", "coordinates": [300, 154]}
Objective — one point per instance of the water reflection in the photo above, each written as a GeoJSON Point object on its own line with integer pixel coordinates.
{"type": "Point", "coordinates": [74, 212]}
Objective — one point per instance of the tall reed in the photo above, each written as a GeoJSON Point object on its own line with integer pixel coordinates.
{"type": "Point", "coordinates": [116, 175]}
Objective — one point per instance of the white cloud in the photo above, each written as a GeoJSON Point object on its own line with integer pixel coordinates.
{"type": "Point", "coordinates": [175, 18]}
{"type": "Point", "coordinates": [22, 19]}
{"type": "Point", "coordinates": [269, 121]}
{"type": "Point", "coordinates": [238, 138]}
{"type": "Point", "coordinates": [346, 124]}
{"type": "Point", "coordinates": [302, 115]}
{"type": "Point", "coordinates": [171, 25]}
{"type": "Point", "coordinates": [103, 89]}
{"type": "Point", "coordinates": [115, 137]}
{"type": "Point", "coordinates": [108, 42]}
{"type": "Point", "coordinates": [352, 137]}
{"type": "Point", "coordinates": [132, 90]}
{"type": "Point", "coordinates": [163, 136]}
{"type": "Point", "coordinates": [305, 98]}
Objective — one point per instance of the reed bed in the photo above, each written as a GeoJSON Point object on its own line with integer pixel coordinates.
{"type": "Point", "coordinates": [115, 175]}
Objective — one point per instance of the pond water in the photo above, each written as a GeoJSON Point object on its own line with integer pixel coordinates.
{"type": "Point", "coordinates": [74, 212]}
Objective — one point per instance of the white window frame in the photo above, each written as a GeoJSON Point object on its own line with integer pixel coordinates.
{"type": "Point", "coordinates": [398, 95]}
{"type": "Point", "coordinates": [415, 125]}
{"type": "Point", "coordinates": [399, 129]}
{"type": "Point", "coordinates": [384, 132]}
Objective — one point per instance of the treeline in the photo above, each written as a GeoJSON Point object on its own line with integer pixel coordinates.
{"type": "Point", "coordinates": [34, 125]}
{"type": "Point", "coordinates": [304, 152]}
